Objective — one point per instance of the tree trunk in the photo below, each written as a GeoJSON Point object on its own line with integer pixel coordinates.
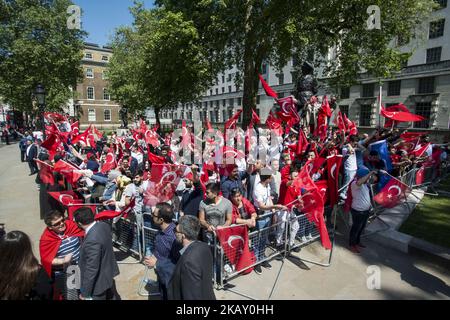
{"type": "Point", "coordinates": [250, 89]}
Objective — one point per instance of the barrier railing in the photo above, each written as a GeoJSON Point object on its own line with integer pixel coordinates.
{"type": "Point", "coordinates": [126, 235]}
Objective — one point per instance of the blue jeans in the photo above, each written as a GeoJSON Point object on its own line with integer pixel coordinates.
{"type": "Point", "coordinates": [262, 238]}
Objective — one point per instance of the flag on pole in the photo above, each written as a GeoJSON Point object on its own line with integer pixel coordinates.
{"type": "Point", "coordinates": [269, 91]}
{"type": "Point", "coordinates": [381, 148]}
{"type": "Point", "coordinates": [334, 166]}
{"type": "Point", "coordinates": [392, 193]}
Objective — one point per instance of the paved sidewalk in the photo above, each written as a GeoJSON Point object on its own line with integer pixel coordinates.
{"type": "Point", "coordinates": [402, 276]}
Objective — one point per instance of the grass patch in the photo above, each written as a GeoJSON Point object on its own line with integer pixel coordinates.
{"type": "Point", "coordinates": [430, 220]}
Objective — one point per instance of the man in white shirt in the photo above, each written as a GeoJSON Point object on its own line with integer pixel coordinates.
{"type": "Point", "coordinates": [361, 206]}
{"type": "Point", "coordinates": [263, 202]}
{"type": "Point", "coordinates": [350, 164]}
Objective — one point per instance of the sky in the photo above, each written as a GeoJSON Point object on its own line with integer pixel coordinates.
{"type": "Point", "coordinates": [101, 17]}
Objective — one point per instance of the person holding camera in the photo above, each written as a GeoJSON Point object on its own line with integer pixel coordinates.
{"type": "Point", "coordinates": [361, 205]}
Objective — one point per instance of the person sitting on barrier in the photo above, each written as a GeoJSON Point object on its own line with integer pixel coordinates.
{"type": "Point", "coordinates": [265, 206]}
{"type": "Point", "coordinates": [243, 211]}
{"type": "Point", "coordinates": [59, 247]}
{"type": "Point", "coordinates": [361, 206]}
{"type": "Point", "coordinates": [215, 211]}
{"type": "Point", "coordinates": [166, 250]}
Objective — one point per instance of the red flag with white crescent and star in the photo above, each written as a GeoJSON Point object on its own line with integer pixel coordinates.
{"type": "Point", "coordinates": [163, 183]}
{"type": "Point", "coordinates": [234, 241]}
{"type": "Point", "coordinates": [392, 193]}
{"type": "Point", "coordinates": [45, 172]}
{"type": "Point", "coordinates": [110, 162]}
{"type": "Point", "coordinates": [334, 165]}
{"type": "Point", "coordinates": [66, 198]}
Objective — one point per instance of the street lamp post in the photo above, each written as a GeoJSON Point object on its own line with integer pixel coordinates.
{"type": "Point", "coordinates": [40, 95]}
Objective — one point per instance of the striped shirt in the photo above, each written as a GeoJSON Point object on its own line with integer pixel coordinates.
{"type": "Point", "coordinates": [69, 245]}
{"type": "Point", "coordinates": [164, 241]}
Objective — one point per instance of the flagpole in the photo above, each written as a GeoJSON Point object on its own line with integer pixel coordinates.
{"type": "Point", "coordinates": [379, 104]}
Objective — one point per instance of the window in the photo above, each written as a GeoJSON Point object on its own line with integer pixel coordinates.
{"type": "Point", "coordinates": [231, 102]}
{"type": "Point", "coordinates": [402, 40]}
{"type": "Point", "coordinates": [105, 58]}
{"type": "Point", "coordinates": [224, 115]}
{"type": "Point", "coordinates": [90, 93]}
{"type": "Point", "coordinates": [216, 115]}
{"type": "Point", "coordinates": [210, 92]}
{"type": "Point", "coordinates": [88, 55]}
{"type": "Point", "coordinates": [229, 77]}
{"type": "Point", "coordinates": [211, 116]}
{"type": "Point", "coordinates": [91, 115]}
{"type": "Point", "coordinates": [423, 109]}
{"type": "Point", "coordinates": [426, 85]}
{"type": "Point", "coordinates": [364, 115]}
{"type": "Point", "coordinates": [264, 68]}
{"type": "Point", "coordinates": [434, 54]}
{"type": "Point", "coordinates": [281, 95]}
{"type": "Point", "coordinates": [107, 114]}
{"type": "Point", "coordinates": [344, 110]}
{"type": "Point", "coordinates": [239, 102]}
{"type": "Point", "coordinates": [280, 77]}
{"type": "Point", "coordinates": [217, 90]}
{"type": "Point", "coordinates": [442, 3]}
{"type": "Point", "coordinates": [106, 94]}
{"type": "Point", "coordinates": [437, 29]}
{"type": "Point", "coordinates": [345, 92]}
{"type": "Point", "coordinates": [224, 102]}
{"type": "Point", "coordinates": [368, 89]}
{"type": "Point", "coordinates": [394, 88]}
{"type": "Point", "coordinates": [223, 89]}
{"type": "Point", "coordinates": [89, 73]}
{"type": "Point", "coordinates": [229, 88]}
{"type": "Point", "coordinates": [230, 113]}
{"type": "Point", "coordinates": [223, 79]}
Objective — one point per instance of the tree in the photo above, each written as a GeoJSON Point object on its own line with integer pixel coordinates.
{"type": "Point", "coordinates": [36, 46]}
{"type": "Point", "coordinates": [246, 33]}
{"type": "Point", "coordinates": [157, 62]}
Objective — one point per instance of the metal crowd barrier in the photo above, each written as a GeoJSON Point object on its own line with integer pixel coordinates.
{"type": "Point", "coordinates": [126, 235]}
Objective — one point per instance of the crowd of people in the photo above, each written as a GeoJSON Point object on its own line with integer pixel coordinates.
{"type": "Point", "coordinates": [118, 172]}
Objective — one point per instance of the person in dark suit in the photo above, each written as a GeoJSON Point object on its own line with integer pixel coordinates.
{"type": "Point", "coordinates": [32, 153]}
{"type": "Point", "coordinates": [192, 278]}
{"type": "Point", "coordinates": [98, 266]}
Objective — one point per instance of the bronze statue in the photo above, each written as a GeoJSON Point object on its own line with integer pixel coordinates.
{"type": "Point", "coordinates": [306, 89]}
{"type": "Point", "coordinates": [124, 117]}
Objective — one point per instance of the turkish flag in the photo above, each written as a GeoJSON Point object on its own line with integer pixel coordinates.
{"type": "Point", "coordinates": [322, 185]}
{"type": "Point", "coordinates": [274, 124]}
{"type": "Point", "coordinates": [50, 242]}
{"type": "Point", "coordinates": [234, 241]}
{"type": "Point", "coordinates": [269, 91]}
{"type": "Point", "coordinates": [45, 172]}
{"type": "Point", "coordinates": [420, 175]}
{"type": "Point", "coordinates": [53, 116]}
{"type": "Point", "coordinates": [53, 144]}
{"type": "Point", "coordinates": [421, 151]}
{"type": "Point", "coordinates": [163, 183]}
{"type": "Point", "coordinates": [392, 193]}
{"type": "Point", "coordinates": [341, 123]}
{"type": "Point", "coordinates": [231, 123]}
{"type": "Point", "coordinates": [66, 198]}
{"type": "Point", "coordinates": [154, 159]}
{"type": "Point", "coordinates": [288, 110]}
{"type": "Point", "coordinates": [68, 170]}
{"type": "Point", "coordinates": [302, 143]}
{"type": "Point", "coordinates": [151, 137]}
{"type": "Point", "coordinates": [334, 165]}
{"type": "Point", "coordinates": [350, 125]}
{"type": "Point", "coordinates": [110, 162]}
{"type": "Point", "coordinates": [321, 129]}
{"type": "Point", "coordinates": [325, 109]}
{"type": "Point", "coordinates": [110, 214]}
{"type": "Point", "coordinates": [75, 128]}
{"type": "Point", "coordinates": [83, 137]}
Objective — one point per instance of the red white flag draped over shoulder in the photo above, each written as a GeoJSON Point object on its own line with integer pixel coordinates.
{"type": "Point", "coordinates": [45, 172]}
{"type": "Point", "coordinates": [392, 193]}
{"type": "Point", "coordinates": [269, 91]}
{"type": "Point", "coordinates": [163, 183]}
{"type": "Point", "coordinates": [334, 166]}
{"type": "Point", "coordinates": [234, 241]}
